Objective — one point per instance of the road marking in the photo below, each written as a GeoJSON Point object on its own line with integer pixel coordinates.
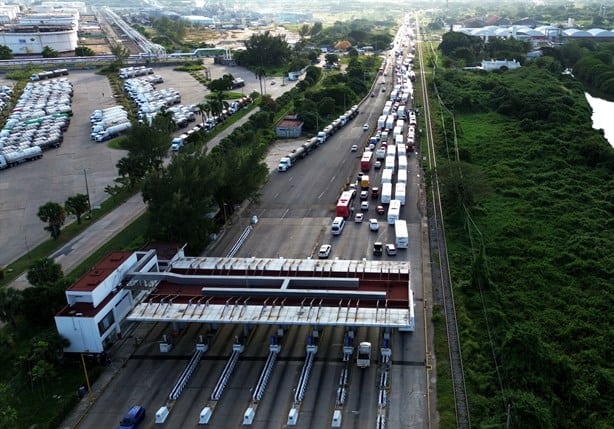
{"type": "Point", "coordinates": [320, 196]}
{"type": "Point", "coordinates": [333, 178]}
{"type": "Point", "coordinates": [276, 195]}
{"type": "Point", "coordinates": [285, 213]}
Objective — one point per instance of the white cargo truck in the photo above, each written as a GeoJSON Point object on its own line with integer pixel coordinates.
{"type": "Point", "coordinates": [386, 194]}
{"type": "Point", "coordinates": [399, 192]}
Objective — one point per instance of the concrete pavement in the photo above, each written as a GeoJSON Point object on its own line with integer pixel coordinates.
{"type": "Point", "coordinates": [79, 248]}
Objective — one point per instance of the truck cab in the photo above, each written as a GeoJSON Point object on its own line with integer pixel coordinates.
{"type": "Point", "coordinates": [178, 142]}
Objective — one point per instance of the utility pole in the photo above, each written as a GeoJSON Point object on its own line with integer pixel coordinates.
{"type": "Point", "coordinates": [87, 379]}
{"type": "Point", "coordinates": [87, 190]}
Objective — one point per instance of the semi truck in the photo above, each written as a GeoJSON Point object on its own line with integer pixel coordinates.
{"type": "Point", "coordinates": [48, 74]}
{"type": "Point", "coordinates": [112, 132]}
{"type": "Point", "coordinates": [381, 121]}
{"type": "Point", "coordinates": [13, 157]}
{"type": "Point", "coordinates": [389, 122]}
{"type": "Point", "coordinates": [363, 357]}
{"type": "Point", "coordinates": [386, 194]}
{"type": "Point", "coordinates": [109, 121]}
{"type": "Point", "coordinates": [289, 160]}
{"type": "Point", "coordinates": [97, 115]}
{"type": "Point", "coordinates": [321, 137]}
{"type": "Point", "coordinates": [178, 142]}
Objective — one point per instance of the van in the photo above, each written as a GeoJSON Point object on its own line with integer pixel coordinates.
{"type": "Point", "coordinates": [134, 416]}
{"type": "Point", "coordinates": [337, 226]}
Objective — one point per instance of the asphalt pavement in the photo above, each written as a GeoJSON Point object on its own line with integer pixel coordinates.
{"type": "Point", "coordinates": [79, 248]}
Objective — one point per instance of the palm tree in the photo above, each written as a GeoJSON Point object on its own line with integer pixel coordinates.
{"type": "Point", "coordinates": [204, 110]}
{"type": "Point", "coordinates": [121, 53]}
{"type": "Point", "coordinates": [260, 73]}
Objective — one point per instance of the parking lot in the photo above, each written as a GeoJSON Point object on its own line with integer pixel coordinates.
{"type": "Point", "coordinates": [62, 172]}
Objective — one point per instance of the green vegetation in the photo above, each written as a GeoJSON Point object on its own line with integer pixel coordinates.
{"type": "Point", "coordinates": [38, 387]}
{"type": "Point", "coordinates": [531, 244]}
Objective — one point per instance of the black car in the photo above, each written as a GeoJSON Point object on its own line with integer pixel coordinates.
{"type": "Point", "coordinates": [378, 248]}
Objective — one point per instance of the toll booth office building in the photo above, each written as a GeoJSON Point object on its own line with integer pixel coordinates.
{"type": "Point", "coordinates": [97, 303]}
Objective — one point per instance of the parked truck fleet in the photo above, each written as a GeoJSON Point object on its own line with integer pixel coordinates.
{"type": "Point", "coordinates": [36, 122]}
{"type": "Point", "coordinates": [109, 123]}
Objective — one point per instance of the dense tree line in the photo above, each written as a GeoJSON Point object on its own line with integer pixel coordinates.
{"type": "Point", "coordinates": [32, 366]}
{"type": "Point", "coordinates": [358, 32]}
{"type": "Point", "coordinates": [182, 197]}
{"type": "Point", "coordinates": [530, 246]}
{"type": "Point", "coordinates": [321, 104]}
{"type": "Point", "coordinates": [463, 50]}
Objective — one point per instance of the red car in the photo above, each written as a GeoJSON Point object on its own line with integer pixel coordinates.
{"type": "Point", "coordinates": [380, 210]}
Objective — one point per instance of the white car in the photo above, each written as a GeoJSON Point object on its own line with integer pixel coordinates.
{"type": "Point", "coordinates": [365, 127]}
{"type": "Point", "coordinates": [364, 206]}
{"type": "Point", "coordinates": [359, 217]}
{"type": "Point", "coordinates": [391, 250]}
{"type": "Point", "coordinates": [324, 251]}
{"type": "Point", "coordinates": [373, 225]}
{"type": "Point", "coordinates": [354, 148]}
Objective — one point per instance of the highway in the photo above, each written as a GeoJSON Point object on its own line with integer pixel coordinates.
{"type": "Point", "coordinates": [295, 210]}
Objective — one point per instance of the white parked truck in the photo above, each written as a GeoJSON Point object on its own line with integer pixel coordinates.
{"type": "Point", "coordinates": [112, 132]}
{"type": "Point", "coordinates": [13, 157]}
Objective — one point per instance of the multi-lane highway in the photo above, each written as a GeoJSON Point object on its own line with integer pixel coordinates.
{"type": "Point", "coordinates": [294, 216]}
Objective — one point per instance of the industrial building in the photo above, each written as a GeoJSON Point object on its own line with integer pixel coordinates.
{"type": "Point", "coordinates": [31, 33]}
{"type": "Point", "coordinates": [150, 286]}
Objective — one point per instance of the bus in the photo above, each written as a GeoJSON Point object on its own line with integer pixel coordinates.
{"type": "Point", "coordinates": [400, 234]}
{"type": "Point", "coordinates": [394, 210]}
{"type": "Point", "coordinates": [344, 203]}
{"type": "Point", "coordinates": [365, 161]}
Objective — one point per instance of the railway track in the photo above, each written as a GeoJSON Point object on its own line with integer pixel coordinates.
{"type": "Point", "coordinates": [440, 257]}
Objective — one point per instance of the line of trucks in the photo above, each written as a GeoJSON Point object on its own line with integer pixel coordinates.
{"type": "Point", "coordinates": [129, 72]}
{"type": "Point", "coordinates": [293, 157]}
{"type": "Point", "coordinates": [48, 74]}
{"type": "Point", "coordinates": [178, 142]}
{"type": "Point", "coordinates": [37, 122]}
{"type": "Point", "coordinates": [109, 123]}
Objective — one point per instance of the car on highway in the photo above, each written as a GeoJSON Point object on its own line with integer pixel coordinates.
{"type": "Point", "coordinates": [324, 251]}
{"type": "Point", "coordinates": [132, 419]}
{"type": "Point", "coordinates": [354, 148]}
{"type": "Point", "coordinates": [373, 224]}
{"type": "Point", "coordinates": [364, 206]}
{"type": "Point", "coordinates": [391, 250]}
{"type": "Point", "coordinates": [364, 195]}
{"type": "Point", "coordinates": [365, 127]}
{"type": "Point", "coordinates": [359, 217]}
{"type": "Point", "coordinates": [380, 210]}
